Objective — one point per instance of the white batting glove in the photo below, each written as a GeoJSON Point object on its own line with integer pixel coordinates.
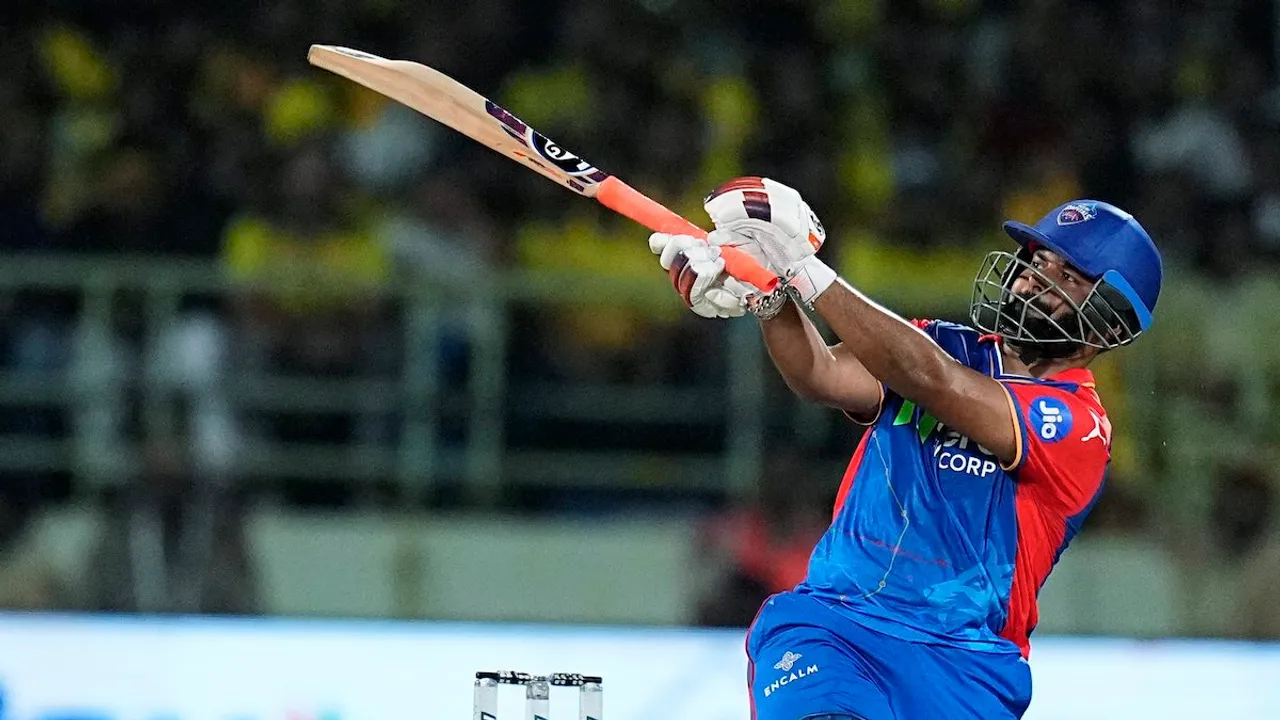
{"type": "Point", "coordinates": [771, 222]}
{"type": "Point", "coordinates": [697, 272]}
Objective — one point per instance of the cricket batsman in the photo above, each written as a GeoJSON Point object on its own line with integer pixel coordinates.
{"type": "Point", "coordinates": [986, 448]}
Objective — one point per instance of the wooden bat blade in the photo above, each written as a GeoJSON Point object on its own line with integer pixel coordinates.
{"type": "Point", "coordinates": [453, 104]}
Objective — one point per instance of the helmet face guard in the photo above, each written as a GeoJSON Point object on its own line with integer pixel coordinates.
{"type": "Point", "coordinates": [1106, 319]}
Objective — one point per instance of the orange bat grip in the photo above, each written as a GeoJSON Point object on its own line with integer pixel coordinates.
{"type": "Point", "coordinates": [629, 202]}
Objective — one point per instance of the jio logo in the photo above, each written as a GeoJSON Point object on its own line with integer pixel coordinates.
{"type": "Point", "coordinates": [1050, 418]}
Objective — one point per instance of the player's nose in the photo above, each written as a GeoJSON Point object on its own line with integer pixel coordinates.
{"type": "Point", "coordinates": [1034, 281]}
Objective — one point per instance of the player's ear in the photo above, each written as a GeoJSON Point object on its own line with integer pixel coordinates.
{"type": "Point", "coordinates": [1087, 353]}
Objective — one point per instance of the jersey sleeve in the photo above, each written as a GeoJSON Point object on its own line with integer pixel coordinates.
{"type": "Point", "coordinates": [1064, 443]}
{"type": "Point", "coordinates": [868, 419]}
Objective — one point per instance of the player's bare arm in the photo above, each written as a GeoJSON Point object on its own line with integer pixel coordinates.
{"type": "Point", "coordinates": [831, 375]}
{"type": "Point", "coordinates": [912, 365]}
{"type": "Point", "coordinates": [773, 223]}
{"type": "Point", "coordinates": [877, 346]}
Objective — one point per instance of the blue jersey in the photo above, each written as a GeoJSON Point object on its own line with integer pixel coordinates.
{"type": "Point", "coordinates": [933, 539]}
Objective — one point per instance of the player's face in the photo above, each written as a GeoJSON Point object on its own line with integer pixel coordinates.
{"type": "Point", "coordinates": [1070, 283]}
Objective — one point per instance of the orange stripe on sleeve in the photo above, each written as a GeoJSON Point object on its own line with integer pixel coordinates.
{"type": "Point", "coordinates": [1017, 430]}
{"type": "Point", "coordinates": [874, 417]}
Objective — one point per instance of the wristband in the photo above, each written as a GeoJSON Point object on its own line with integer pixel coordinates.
{"type": "Point", "coordinates": [808, 278]}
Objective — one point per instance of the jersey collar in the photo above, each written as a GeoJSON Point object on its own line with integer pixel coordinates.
{"type": "Point", "coordinates": [1073, 376]}
{"type": "Point", "coordinates": [1076, 376]}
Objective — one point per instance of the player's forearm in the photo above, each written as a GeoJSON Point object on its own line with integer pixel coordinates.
{"type": "Point", "coordinates": [795, 348]}
{"type": "Point", "coordinates": [891, 349]}
{"type": "Point", "coordinates": [811, 369]}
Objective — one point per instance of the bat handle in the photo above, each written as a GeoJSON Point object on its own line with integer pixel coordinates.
{"type": "Point", "coordinates": [627, 201]}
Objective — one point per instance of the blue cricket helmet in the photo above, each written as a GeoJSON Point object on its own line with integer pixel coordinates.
{"type": "Point", "coordinates": [1105, 243]}
{"type": "Point", "coordinates": [1100, 240]}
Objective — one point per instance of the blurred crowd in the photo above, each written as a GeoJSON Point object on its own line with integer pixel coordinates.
{"type": "Point", "coordinates": [198, 131]}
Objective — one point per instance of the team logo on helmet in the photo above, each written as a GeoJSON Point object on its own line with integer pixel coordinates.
{"type": "Point", "coordinates": [1076, 213]}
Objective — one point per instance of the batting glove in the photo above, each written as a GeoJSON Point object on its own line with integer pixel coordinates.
{"type": "Point", "coordinates": [697, 272]}
{"type": "Point", "coordinates": [771, 222]}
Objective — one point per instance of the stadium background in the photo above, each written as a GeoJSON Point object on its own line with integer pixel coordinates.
{"type": "Point", "coordinates": [272, 345]}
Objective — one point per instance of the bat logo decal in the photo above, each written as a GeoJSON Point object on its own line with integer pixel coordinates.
{"type": "Point", "coordinates": [561, 158]}
{"type": "Point", "coordinates": [568, 162]}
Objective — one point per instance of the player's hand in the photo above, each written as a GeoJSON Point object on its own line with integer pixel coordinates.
{"type": "Point", "coordinates": [697, 272]}
{"type": "Point", "coordinates": [766, 219]}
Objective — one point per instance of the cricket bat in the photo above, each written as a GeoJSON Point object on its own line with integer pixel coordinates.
{"type": "Point", "coordinates": [451, 103]}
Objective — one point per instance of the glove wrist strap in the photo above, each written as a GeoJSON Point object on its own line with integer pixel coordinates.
{"type": "Point", "coordinates": [808, 278]}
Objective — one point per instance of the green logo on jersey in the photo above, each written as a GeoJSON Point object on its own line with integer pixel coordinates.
{"type": "Point", "coordinates": [925, 425]}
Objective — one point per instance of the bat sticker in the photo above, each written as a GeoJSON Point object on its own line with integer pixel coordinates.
{"type": "Point", "coordinates": [568, 162]}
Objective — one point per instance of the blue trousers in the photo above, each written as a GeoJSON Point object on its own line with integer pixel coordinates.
{"type": "Point", "coordinates": [807, 659]}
